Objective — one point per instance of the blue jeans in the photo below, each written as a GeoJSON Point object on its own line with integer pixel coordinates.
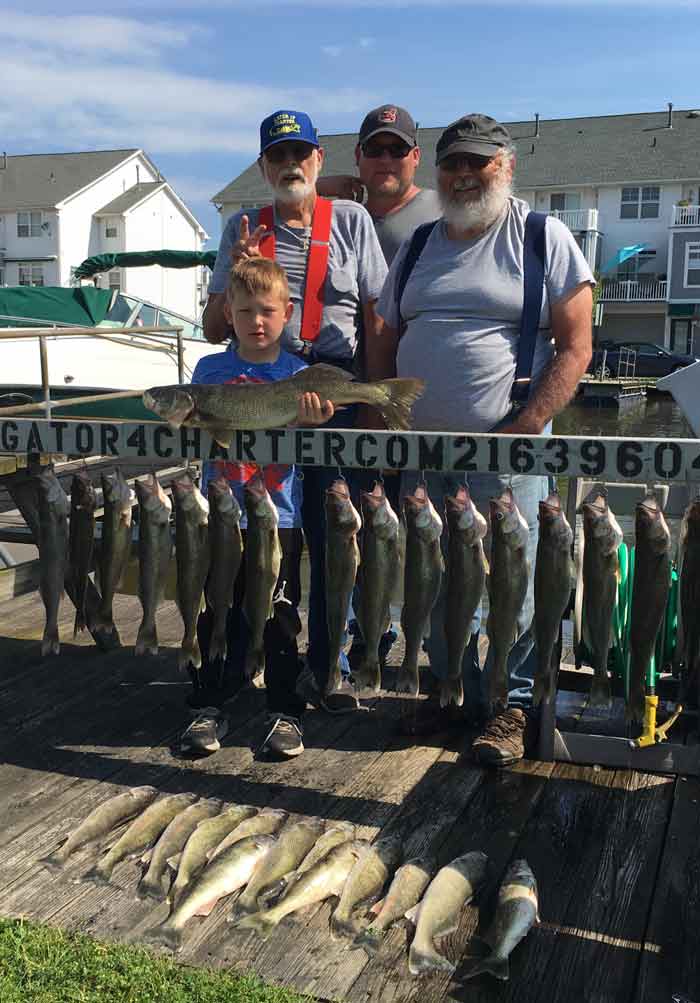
{"type": "Point", "coordinates": [528, 492]}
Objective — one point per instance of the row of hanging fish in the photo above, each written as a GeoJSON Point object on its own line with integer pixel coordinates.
{"type": "Point", "coordinates": [208, 553]}
{"type": "Point", "coordinates": [196, 852]}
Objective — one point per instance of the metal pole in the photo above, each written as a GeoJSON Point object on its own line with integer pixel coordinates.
{"type": "Point", "coordinates": [45, 386]}
{"type": "Point", "coordinates": [180, 357]}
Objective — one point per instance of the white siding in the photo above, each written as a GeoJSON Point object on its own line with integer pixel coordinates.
{"type": "Point", "coordinates": [619, 233]}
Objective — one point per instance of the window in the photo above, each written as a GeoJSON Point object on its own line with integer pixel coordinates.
{"type": "Point", "coordinates": [692, 265]}
{"type": "Point", "coordinates": [115, 279]}
{"type": "Point", "coordinates": [637, 267]}
{"type": "Point", "coordinates": [640, 203]}
{"type": "Point", "coordinates": [28, 224]}
{"type": "Point", "coordinates": [111, 230]}
{"type": "Point", "coordinates": [31, 274]}
{"type": "Point", "coordinates": [561, 201]}
{"type": "Point", "coordinates": [2, 277]}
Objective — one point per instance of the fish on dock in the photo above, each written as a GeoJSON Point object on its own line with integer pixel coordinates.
{"type": "Point", "coordinates": [553, 577]}
{"type": "Point", "coordinates": [405, 892]}
{"type": "Point", "coordinates": [267, 822]}
{"type": "Point", "coordinates": [192, 559]}
{"type": "Point", "coordinates": [155, 548]}
{"type": "Point", "coordinates": [341, 832]}
{"type": "Point", "coordinates": [222, 408]}
{"type": "Point", "coordinates": [81, 542]}
{"type": "Point", "coordinates": [365, 883]}
{"type": "Point", "coordinates": [53, 509]}
{"type": "Point", "coordinates": [263, 558]}
{"type": "Point", "coordinates": [172, 841]}
{"type": "Point", "coordinates": [342, 561]}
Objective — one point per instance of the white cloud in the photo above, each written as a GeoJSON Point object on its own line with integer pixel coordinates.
{"type": "Point", "coordinates": [61, 84]}
{"type": "Point", "coordinates": [332, 51]}
{"type": "Point", "coordinates": [367, 43]}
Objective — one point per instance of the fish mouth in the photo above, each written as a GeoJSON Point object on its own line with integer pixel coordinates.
{"type": "Point", "coordinates": [256, 484]}
{"type": "Point", "coordinates": [149, 401]}
{"type": "Point", "coordinates": [339, 489]}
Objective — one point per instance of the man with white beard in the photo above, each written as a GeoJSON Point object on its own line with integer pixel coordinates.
{"type": "Point", "coordinates": [454, 312]}
{"type": "Point", "coordinates": [335, 269]}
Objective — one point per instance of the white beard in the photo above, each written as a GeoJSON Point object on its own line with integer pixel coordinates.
{"type": "Point", "coordinates": [480, 213]}
{"type": "Point", "coordinates": [291, 194]}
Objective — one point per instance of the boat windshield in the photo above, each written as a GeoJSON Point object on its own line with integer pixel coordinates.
{"type": "Point", "coordinates": [129, 312]}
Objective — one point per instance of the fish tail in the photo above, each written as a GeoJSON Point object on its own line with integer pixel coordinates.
{"type": "Point", "coordinates": [260, 923]}
{"type": "Point", "coordinates": [274, 891]}
{"type": "Point", "coordinates": [146, 639]}
{"type": "Point", "coordinates": [600, 691]}
{"type": "Point", "coordinates": [407, 680]}
{"type": "Point", "coordinates": [165, 934]}
{"type": "Point", "coordinates": [189, 654]}
{"type": "Point", "coordinates": [343, 928]}
{"type": "Point", "coordinates": [54, 861]}
{"type": "Point", "coordinates": [254, 663]}
{"type": "Point", "coordinates": [335, 678]}
{"type": "Point", "coordinates": [241, 910]}
{"type": "Point", "coordinates": [368, 675]}
{"type": "Point", "coordinates": [50, 645]}
{"type": "Point", "coordinates": [80, 622]}
{"type": "Point", "coordinates": [217, 644]}
{"type": "Point", "coordinates": [424, 959]}
{"type": "Point", "coordinates": [396, 399]}
{"type": "Point", "coordinates": [492, 965]}
{"type": "Point", "coordinates": [451, 691]}
{"type": "Point", "coordinates": [369, 940]}
{"type": "Point", "coordinates": [100, 874]}
{"type": "Point", "coordinates": [149, 889]}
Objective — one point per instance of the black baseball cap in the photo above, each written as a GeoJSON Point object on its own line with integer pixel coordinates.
{"type": "Point", "coordinates": [389, 118]}
{"type": "Point", "coordinates": [472, 134]}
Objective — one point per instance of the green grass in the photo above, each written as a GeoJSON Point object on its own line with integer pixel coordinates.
{"type": "Point", "coordinates": [39, 964]}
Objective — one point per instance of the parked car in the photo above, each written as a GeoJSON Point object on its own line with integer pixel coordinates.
{"type": "Point", "coordinates": [651, 360]}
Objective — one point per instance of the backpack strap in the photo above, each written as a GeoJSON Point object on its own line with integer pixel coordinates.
{"type": "Point", "coordinates": [533, 281]}
{"type": "Point", "coordinates": [418, 241]}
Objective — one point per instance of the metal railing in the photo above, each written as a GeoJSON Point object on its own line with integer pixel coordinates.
{"type": "Point", "coordinates": [631, 290]}
{"type": "Point", "coordinates": [604, 363]}
{"type": "Point", "coordinates": [686, 215]}
{"type": "Point", "coordinates": [577, 219]}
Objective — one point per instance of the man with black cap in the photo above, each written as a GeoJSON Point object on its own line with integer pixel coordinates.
{"type": "Point", "coordinates": [336, 269]}
{"type": "Point", "coordinates": [491, 305]}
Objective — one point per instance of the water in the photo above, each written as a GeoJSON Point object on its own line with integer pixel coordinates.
{"type": "Point", "coordinates": [657, 417]}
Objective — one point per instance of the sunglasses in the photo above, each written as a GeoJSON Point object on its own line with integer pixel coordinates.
{"type": "Point", "coordinates": [280, 152]}
{"type": "Point", "coordinates": [397, 151]}
{"type": "Point", "coordinates": [458, 161]}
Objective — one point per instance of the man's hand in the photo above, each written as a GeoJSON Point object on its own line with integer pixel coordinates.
{"type": "Point", "coordinates": [248, 244]}
{"type": "Point", "coordinates": [522, 425]}
{"type": "Point", "coordinates": [312, 411]}
{"type": "Point", "coordinates": [341, 186]}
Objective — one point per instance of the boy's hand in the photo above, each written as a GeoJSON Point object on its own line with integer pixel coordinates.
{"type": "Point", "coordinates": [248, 244]}
{"type": "Point", "coordinates": [312, 411]}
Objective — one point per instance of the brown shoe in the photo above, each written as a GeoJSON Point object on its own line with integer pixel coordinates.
{"type": "Point", "coordinates": [501, 741]}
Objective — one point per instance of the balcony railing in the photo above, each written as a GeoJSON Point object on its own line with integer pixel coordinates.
{"type": "Point", "coordinates": [577, 219]}
{"type": "Point", "coordinates": [633, 290]}
{"type": "Point", "coordinates": [686, 215]}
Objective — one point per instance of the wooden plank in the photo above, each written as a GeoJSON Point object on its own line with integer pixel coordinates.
{"type": "Point", "coordinates": [596, 943]}
{"type": "Point", "coordinates": [19, 580]}
{"type": "Point", "coordinates": [670, 960]}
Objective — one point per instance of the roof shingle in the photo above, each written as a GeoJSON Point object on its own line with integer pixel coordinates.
{"type": "Point", "coordinates": [40, 180]}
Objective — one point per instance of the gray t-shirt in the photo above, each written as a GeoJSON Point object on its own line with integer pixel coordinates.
{"type": "Point", "coordinates": [356, 272]}
{"type": "Point", "coordinates": [462, 307]}
{"type": "Point", "coordinates": [394, 228]}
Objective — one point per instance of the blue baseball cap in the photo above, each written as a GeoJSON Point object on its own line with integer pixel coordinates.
{"type": "Point", "coordinates": [283, 126]}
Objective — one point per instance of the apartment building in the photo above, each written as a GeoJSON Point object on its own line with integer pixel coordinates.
{"type": "Point", "coordinates": [56, 209]}
{"type": "Point", "coordinates": [627, 186]}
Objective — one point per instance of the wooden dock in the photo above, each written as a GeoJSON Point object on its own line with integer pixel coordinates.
{"type": "Point", "coordinates": [616, 852]}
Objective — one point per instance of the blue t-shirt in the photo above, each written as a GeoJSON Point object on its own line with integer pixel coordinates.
{"type": "Point", "coordinates": [281, 480]}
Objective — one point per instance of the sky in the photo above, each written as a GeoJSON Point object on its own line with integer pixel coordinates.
{"type": "Point", "coordinates": [189, 83]}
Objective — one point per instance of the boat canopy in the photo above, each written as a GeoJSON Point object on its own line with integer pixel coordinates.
{"type": "Point", "coordinates": [83, 306]}
{"type": "Point", "coordinates": [140, 259]}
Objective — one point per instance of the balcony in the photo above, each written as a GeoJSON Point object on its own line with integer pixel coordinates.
{"type": "Point", "coordinates": [577, 220]}
{"type": "Point", "coordinates": [686, 215]}
{"type": "Point", "coordinates": [633, 290]}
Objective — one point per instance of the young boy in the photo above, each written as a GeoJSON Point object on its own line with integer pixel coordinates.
{"type": "Point", "coordinates": [257, 307]}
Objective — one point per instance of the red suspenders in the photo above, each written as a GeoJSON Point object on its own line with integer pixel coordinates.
{"type": "Point", "coordinates": [317, 264]}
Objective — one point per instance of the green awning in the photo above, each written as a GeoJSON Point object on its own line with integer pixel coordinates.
{"type": "Point", "coordinates": [140, 259]}
{"type": "Point", "coordinates": [83, 306]}
{"type": "Point", "coordinates": [681, 309]}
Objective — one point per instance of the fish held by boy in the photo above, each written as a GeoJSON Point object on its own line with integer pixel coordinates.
{"type": "Point", "coordinates": [221, 408]}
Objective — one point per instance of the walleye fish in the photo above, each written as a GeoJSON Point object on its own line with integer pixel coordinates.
{"type": "Point", "coordinates": [81, 542]}
{"type": "Point", "coordinates": [101, 821]}
{"type": "Point", "coordinates": [115, 547]}
{"type": "Point", "coordinates": [379, 571]}
{"type": "Point", "coordinates": [341, 832]}
{"type": "Point", "coordinates": [291, 847]}
{"type": "Point", "coordinates": [155, 547]}
{"type": "Point", "coordinates": [266, 823]}
{"type": "Point", "coordinates": [172, 841]}
{"type": "Point", "coordinates": [263, 556]}
{"type": "Point", "coordinates": [192, 556]}
{"type": "Point", "coordinates": [342, 561]}
{"type": "Point", "coordinates": [221, 408]}
{"type": "Point", "coordinates": [365, 884]}
{"type": "Point", "coordinates": [405, 892]}
{"type": "Point", "coordinates": [601, 574]}
{"type": "Point", "coordinates": [465, 577]}
{"type": "Point", "coordinates": [689, 593]}
{"type": "Point", "coordinates": [324, 879]}
{"type": "Point", "coordinates": [53, 553]}
{"type": "Point", "coordinates": [422, 580]}
{"type": "Point", "coordinates": [652, 581]}
{"type": "Point", "coordinates": [510, 572]}
{"type": "Point", "coordinates": [226, 552]}
{"type": "Point", "coordinates": [553, 575]}
{"type": "Point", "coordinates": [141, 834]}
{"type": "Point", "coordinates": [205, 838]}
{"type": "Point", "coordinates": [516, 914]}
{"type": "Point", "coordinates": [438, 912]}
{"type": "Point", "coordinates": [221, 877]}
